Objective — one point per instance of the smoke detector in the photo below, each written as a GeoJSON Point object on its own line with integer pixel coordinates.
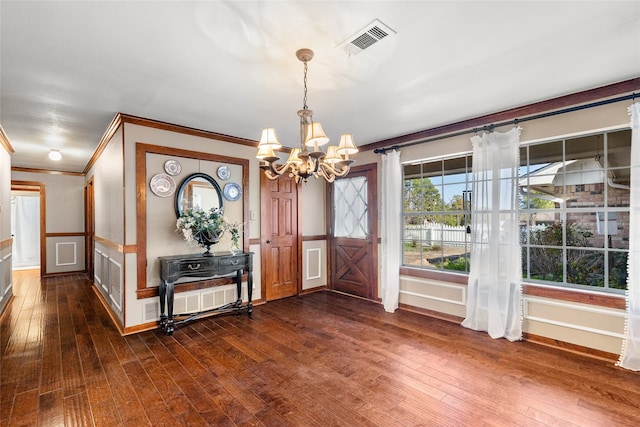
{"type": "Point", "coordinates": [365, 38]}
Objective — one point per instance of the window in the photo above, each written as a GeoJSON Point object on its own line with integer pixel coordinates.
{"type": "Point", "coordinates": [574, 211]}
{"type": "Point", "coordinates": [437, 196]}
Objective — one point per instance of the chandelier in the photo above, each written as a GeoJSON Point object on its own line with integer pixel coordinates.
{"type": "Point", "coordinates": [308, 160]}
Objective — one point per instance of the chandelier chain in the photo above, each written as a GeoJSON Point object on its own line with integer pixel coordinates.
{"type": "Point", "coordinates": [304, 100]}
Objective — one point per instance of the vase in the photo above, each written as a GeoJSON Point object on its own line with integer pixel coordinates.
{"type": "Point", "coordinates": [234, 249]}
{"type": "Point", "coordinates": [208, 238]}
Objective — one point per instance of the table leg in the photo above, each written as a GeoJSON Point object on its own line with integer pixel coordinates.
{"type": "Point", "coordinates": [239, 288]}
{"type": "Point", "coordinates": [162, 294]}
{"type": "Point", "coordinates": [250, 292]}
{"type": "Point", "coordinates": [170, 325]}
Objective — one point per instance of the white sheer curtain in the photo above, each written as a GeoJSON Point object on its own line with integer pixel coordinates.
{"type": "Point", "coordinates": [495, 276]}
{"type": "Point", "coordinates": [25, 226]}
{"type": "Point", "coordinates": [630, 355]}
{"type": "Point", "coordinates": [391, 229]}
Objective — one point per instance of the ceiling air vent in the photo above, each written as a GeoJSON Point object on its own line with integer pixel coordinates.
{"type": "Point", "coordinates": [368, 36]}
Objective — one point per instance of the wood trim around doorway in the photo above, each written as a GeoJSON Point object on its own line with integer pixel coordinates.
{"type": "Point", "coordinates": [17, 185]}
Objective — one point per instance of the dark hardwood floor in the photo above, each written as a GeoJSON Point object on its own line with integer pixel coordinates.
{"type": "Point", "coordinates": [322, 359]}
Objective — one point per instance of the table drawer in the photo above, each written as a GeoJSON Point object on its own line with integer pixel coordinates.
{"type": "Point", "coordinates": [232, 261]}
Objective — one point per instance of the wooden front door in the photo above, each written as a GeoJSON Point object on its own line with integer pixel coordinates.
{"type": "Point", "coordinates": [279, 237]}
{"type": "Point", "coordinates": [354, 233]}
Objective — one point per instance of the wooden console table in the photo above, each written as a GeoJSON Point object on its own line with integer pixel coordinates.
{"type": "Point", "coordinates": [222, 264]}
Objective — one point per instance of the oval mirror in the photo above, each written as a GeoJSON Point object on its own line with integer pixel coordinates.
{"type": "Point", "coordinates": [198, 191]}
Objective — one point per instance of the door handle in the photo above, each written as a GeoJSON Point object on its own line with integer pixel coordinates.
{"type": "Point", "coordinates": [268, 242]}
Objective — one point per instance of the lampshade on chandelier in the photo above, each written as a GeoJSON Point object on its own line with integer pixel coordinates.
{"type": "Point", "coordinates": [308, 160]}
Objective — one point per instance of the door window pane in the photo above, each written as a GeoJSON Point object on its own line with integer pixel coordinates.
{"type": "Point", "coordinates": [350, 204]}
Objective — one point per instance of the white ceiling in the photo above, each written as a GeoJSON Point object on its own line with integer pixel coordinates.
{"type": "Point", "coordinates": [67, 67]}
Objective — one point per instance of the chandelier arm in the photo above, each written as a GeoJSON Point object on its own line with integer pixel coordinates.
{"type": "Point", "coordinates": [327, 175]}
{"type": "Point", "coordinates": [337, 172]}
{"type": "Point", "coordinates": [270, 175]}
{"type": "Point", "coordinates": [276, 171]}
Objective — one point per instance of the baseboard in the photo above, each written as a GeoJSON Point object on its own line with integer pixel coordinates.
{"type": "Point", "coordinates": [107, 307]}
{"type": "Point", "coordinates": [312, 290]}
{"type": "Point", "coordinates": [571, 348]}
{"type": "Point", "coordinates": [431, 313]}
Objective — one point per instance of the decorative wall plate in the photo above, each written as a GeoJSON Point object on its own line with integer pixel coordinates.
{"type": "Point", "coordinates": [224, 173]}
{"type": "Point", "coordinates": [232, 191]}
{"type": "Point", "coordinates": [162, 185]}
{"type": "Point", "coordinates": [172, 167]}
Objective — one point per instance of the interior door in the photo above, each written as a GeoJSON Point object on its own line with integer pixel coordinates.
{"type": "Point", "coordinates": [279, 237]}
{"type": "Point", "coordinates": [354, 233]}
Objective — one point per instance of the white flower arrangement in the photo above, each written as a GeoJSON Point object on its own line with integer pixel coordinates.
{"type": "Point", "coordinates": [202, 227]}
{"type": "Point", "coordinates": [205, 228]}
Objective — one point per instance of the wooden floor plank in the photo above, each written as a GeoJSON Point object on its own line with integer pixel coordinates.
{"type": "Point", "coordinates": [25, 409]}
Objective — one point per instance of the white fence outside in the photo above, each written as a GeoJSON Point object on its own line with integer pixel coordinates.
{"type": "Point", "coordinates": [433, 233]}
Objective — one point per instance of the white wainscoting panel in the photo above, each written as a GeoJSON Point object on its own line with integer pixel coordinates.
{"type": "Point", "coordinates": [314, 260]}
{"type": "Point", "coordinates": [66, 253]}
{"type": "Point", "coordinates": [443, 297]}
{"type": "Point", "coordinates": [582, 317]}
{"type": "Point", "coordinates": [6, 278]}
{"type": "Point", "coordinates": [586, 325]}
{"type": "Point", "coordinates": [115, 283]}
{"type": "Point", "coordinates": [104, 259]}
{"type": "Point", "coordinates": [97, 266]}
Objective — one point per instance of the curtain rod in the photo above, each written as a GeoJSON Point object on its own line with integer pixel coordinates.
{"type": "Point", "coordinates": [491, 127]}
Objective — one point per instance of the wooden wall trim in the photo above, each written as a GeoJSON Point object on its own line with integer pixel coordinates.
{"type": "Point", "coordinates": [41, 188]}
{"type": "Point", "coordinates": [314, 238]}
{"type": "Point", "coordinates": [558, 103]}
{"type": "Point", "coordinates": [118, 247]}
{"type": "Point", "coordinates": [443, 276]}
{"type": "Point", "coordinates": [66, 234]}
{"type": "Point", "coordinates": [121, 118]}
{"type": "Point", "coordinates": [125, 118]}
{"type": "Point", "coordinates": [45, 171]}
{"type": "Point", "coordinates": [116, 122]}
{"type": "Point", "coordinates": [6, 243]}
{"type": "Point", "coordinates": [4, 141]}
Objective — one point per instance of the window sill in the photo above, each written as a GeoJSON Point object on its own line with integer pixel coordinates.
{"type": "Point", "coordinates": [575, 295]}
